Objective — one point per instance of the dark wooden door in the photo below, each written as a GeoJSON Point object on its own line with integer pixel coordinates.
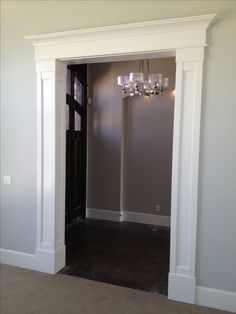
{"type": "Point", "coordinates": [76, 112]}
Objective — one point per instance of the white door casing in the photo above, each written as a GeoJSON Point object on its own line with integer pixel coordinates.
{"type": "Point", "coordinates": [184, 38]}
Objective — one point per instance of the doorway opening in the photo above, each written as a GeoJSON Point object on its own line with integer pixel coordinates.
{"type": "Point", "coordinates": [124, 240]}
{"type": "Point", "coordinates": [184, 38]}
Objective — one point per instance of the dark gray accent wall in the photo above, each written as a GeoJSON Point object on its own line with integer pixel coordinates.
{"type": "Point", "coordinates": [149, 140]}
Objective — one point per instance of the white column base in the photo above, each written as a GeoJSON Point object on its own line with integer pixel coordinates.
{"type": "Point", "coordinates": [181, 288]}
{"type": "Point", "coordinates": [51, 262]}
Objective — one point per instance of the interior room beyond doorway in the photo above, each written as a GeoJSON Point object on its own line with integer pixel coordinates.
{"type": "Point", "coordinates": [133, 247]}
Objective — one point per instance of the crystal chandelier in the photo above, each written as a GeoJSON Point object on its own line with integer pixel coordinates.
{"type": "Point", "coordinates": [135, 85]}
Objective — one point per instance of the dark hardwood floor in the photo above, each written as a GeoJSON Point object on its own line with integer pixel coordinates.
{"type": "Point", "coordinates": [121, 253]}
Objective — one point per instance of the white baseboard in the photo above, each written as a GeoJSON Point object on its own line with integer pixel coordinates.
{"type": "Point", "coordinates": [43, 261]}
{"type": "Point", "coordinates": [181, 288]}
{"type": "Point", "coordinates": [146, 218]}
{"type": "Point", "coordinates": [218, 299]}
{"type": "Point", "coordinates": [103, 214]}
{"type": "Point", "coordinates": [128, 216]}
{"type": "Point", "coordinates": [18, 259]}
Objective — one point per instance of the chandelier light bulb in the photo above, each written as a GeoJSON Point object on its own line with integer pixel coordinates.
{"type": "Point", "coordinates": [152, 78]}
{"type": "Point", "coordinates": [146, 85]}
{"type": "Point", "coordinates": [165, 82]}
{"type": "Point", "coordinates": [136, 77]}
{"type": "Point", "coordinates": [123, 80]}
{"type": "Point", "coordinates": [159, 78]}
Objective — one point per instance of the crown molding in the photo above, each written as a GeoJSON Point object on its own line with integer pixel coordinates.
{"type": "Point", "coordinates": [144, 39]}
{"type": "Point", "coordinates": [127, 30]}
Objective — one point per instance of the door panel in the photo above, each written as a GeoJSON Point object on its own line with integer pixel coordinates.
{"type": "Point", "coordinates": [78, 91]}
{"type": "Point", "coordinates": [78, 172]}
{"type": "Point", "coordinates": [77, 122]}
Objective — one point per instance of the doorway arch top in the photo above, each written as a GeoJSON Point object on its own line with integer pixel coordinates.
{"type": "Point", "coordinates": [127, 39]}
{"type": "Point", "coordinates": [186, 38]}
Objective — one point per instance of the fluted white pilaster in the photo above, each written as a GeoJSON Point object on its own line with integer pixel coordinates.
{"type": "Point", "coordinates": [51, 117]}
{"type": "Point", "coordinates": [189, 64]}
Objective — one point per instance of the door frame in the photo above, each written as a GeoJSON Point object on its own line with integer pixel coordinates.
{"type": "Point", "coordinates": [184, 38]}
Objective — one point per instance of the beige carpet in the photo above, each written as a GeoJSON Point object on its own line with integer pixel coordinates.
{"type": "Point", "coordinates": [23, 292]}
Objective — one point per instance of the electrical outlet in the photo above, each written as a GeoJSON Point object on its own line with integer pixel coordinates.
{"type": "Point", "coordinates": [157, 207]}
{"type": "Point", "coordinates": [7, 180]}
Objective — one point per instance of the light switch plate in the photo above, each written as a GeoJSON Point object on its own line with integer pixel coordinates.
{"type": "Point", "coordinates": [7, 180]}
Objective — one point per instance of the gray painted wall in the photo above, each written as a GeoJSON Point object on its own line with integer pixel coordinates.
{"type": "Point", "coordinates": [149, 142]}
{"type": "Point", "coordinates": [104, 123]}
{"type": "Point", "coordinates": [216, 248]}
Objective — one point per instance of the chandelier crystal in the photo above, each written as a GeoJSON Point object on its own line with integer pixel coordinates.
{"type": "Point", "coordinates": [134, 84]}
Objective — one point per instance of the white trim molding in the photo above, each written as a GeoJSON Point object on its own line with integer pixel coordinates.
{"type": "Point", "coordinates": [43, 260]}
{"type": "Point", "coordinates": [184, 192]}
{"type": "Point", "coordinates": [103, 214]}
{"type": "Point", "coordinates": [219, 299]}
{"type": "Point", "coordinates": [115, 215]}
{"type": "Point", "coordinates": [51, 130]}
{"type": "Point", "coordinates": [186, 287]}
{"type": "Point", "coordinates": [19, 259]}
{"type": "Point", "coordinates": [123, 39]}
{"type": "Point", "coordinates": [184, 38]}
{"type": "Point", "coordinates": [148, 219]}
